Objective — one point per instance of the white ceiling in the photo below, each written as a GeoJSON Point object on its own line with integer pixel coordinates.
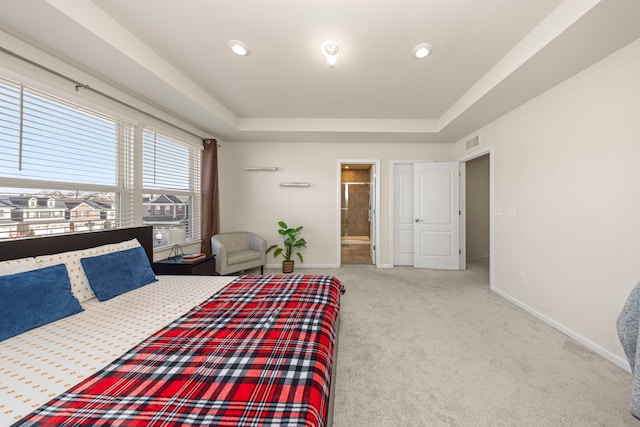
{"type": "Point", "coordinates": [488, 57]}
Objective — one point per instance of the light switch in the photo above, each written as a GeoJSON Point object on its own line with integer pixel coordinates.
{"type": "Point", "coordinates": [511, 211]}
{"type": "Point", "coordinates": [497, 210]}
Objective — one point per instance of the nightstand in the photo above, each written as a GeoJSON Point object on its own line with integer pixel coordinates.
{"type": "Point", "coordinates": [175, 266]}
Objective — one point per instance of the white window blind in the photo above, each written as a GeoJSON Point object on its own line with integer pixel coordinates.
{"type": "Point", "coordinates": [68, 158]}
{"type": "Point", "coordinates": [171, 186]}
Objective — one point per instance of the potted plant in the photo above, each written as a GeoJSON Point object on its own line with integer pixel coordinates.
{"type": "Point", "coordinates": [292, 244]}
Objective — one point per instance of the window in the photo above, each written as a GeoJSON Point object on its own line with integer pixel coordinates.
{"type": "Point", "coordinates": [56, 154]}
{"type": "Point", "coordinates": [171, 177]}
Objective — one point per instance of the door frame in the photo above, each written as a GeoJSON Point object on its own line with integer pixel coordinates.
{"type": "Point", "coordinates": [463, 218]}
{"type": "Point", "coordinates": [376, 214]}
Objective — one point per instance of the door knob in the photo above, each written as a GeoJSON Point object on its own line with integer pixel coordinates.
{"type": "Point", "coordinates": [418, 220]}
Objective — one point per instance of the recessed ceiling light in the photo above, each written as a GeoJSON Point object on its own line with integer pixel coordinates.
{"type": "Point", "coordinates": [238, 47]}
{"type": "Point", "coordinates": [422, 50]}
{"type": "Point", "coordinates": [330, 51]}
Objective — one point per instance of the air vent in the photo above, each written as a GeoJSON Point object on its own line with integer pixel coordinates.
{"type": "Point", "coordinates": [473, 142]}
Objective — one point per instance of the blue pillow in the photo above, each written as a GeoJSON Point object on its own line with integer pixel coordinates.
{"type": "Point", "coordinates": [35, 298]}
{"type": "Point", "coordinates": [115, 273]}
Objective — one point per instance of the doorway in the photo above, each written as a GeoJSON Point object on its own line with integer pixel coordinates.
{"type": "Point", "coordinates": [358, 183]}
{"type": "Point", "coordinates": [478, 210]}
{"type": "Point", "coordinates": [476, 221]}
{"type": "Point", "coordinates": [476, 198]}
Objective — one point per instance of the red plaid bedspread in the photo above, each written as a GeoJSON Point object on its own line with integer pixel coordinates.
{"type": "Point", "coordinates": [258, 353]}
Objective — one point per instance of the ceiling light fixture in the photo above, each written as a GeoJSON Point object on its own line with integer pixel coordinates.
{"type": "Point", "coordinates": [238, 47]}
{"type": "Point", "coordinates": [330, 51]}
{"type": "Point", "coordinates": [422, 50]}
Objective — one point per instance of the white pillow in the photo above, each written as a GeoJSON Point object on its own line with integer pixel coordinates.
{"type": "Point", "coordinates": [79, 282]}
{"type": "Point", "coordinates": [114, 247]}
{"type": "Point", "coordinates": [21, 265]}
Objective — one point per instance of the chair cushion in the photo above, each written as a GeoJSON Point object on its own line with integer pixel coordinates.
{"type": "Point", "coordinates": [236, 240]}
{"type": "Point", "coordinates": [238, 257]}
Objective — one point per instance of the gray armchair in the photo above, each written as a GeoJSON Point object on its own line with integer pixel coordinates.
{"type": "Point", "coordinates": [238, 251]}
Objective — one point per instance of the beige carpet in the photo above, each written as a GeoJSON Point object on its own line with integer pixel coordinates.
{"type": "Point", "coordinates": [436, 348]}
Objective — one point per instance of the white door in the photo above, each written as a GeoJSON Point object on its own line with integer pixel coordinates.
{"type": "Point", "coordinates": [372, 214]}
{"type": "Point", "coordinates": [403, 214]}
{"type": "Point", "coordinates": [436, 226]}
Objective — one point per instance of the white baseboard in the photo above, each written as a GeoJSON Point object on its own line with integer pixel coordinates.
{"type": "Point", "coordinates": [616, 360]}
{"type": "Point", "coordinates": [305, 265]}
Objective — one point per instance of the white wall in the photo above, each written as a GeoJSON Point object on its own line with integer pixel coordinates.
{"type": "Point", "coordinates": [254, 201]}
{"type": "Point", "coordinates": [568, 162]}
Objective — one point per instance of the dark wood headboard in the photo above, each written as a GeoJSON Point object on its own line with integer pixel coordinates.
{"type": "Point", "coordinates": [35, 246]}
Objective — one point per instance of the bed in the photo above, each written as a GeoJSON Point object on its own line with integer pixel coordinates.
{"type": "Point", "coordinates": [174, 350]}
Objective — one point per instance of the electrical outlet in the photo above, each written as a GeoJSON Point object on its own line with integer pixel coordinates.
{"type": "Point", "coordinates": [522, 278]}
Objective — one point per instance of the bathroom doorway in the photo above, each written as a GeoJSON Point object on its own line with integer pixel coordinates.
{"type": "Point", "coordinates": [357, 208]}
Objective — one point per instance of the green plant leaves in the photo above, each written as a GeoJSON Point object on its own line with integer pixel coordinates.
{"type": "Point", "coordinates": [291, 241]}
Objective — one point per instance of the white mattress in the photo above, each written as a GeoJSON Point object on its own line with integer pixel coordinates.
{"type": "Point", "coordinates": [42, 363]}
